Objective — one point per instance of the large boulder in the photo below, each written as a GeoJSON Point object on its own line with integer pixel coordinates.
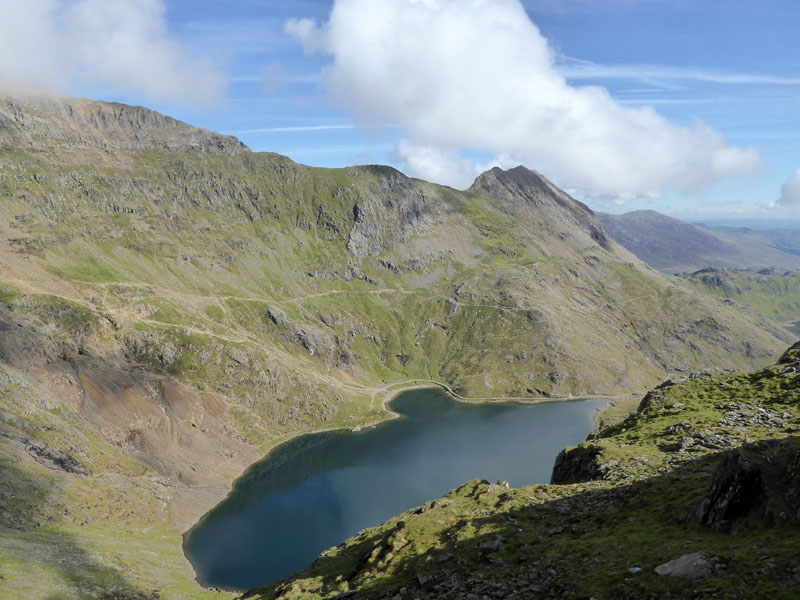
{"type": "Point", "coordinates": [577, 465]}
{"type": "Point", "coordinates": [689, 566]}
{"type": "Point", "coordinates": [792, 355]}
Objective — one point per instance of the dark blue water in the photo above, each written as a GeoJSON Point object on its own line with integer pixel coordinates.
{"type": "Point", "coordinates": [318, 490]}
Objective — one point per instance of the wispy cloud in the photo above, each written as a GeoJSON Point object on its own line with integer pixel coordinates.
{"type": "Point", "coordinates": [302, 128]}
{"type": "Point", "coordinates": [566, 7]}
{"type": "Point", "coordinates": [702, 100]}
{"type": "Point", "coordinates": [337, 150]}
{"type": "Point", "coordinates": [577, 69]}
{"type": "Point", "coordinates": [272, 73]}
{"type": "Point", "coordinates": [290, 129]}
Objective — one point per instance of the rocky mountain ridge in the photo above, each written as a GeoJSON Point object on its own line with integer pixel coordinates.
{"type": "Point", "coordinates": [112, 127]}
{"type": "Point", "coordinates": [548, 204]}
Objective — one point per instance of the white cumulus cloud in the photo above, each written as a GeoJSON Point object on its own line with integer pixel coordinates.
{"type": "Point", "coordinates": [790, 191]}
{"type": "Point", "coordinates": [462, 76]}
{"type": "Point", "coordinates": [124, 45]}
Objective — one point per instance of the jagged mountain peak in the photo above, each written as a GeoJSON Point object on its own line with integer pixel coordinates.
{"type": "Point", "coordinates": [519, 176]}
{"type": "Point", "coordinates": [111, 126]}
{"type": "Point", "coordinates": [533, 192]}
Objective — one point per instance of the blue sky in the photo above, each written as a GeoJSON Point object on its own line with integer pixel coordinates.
{"type": "Point", "coordinates": [592, 84]}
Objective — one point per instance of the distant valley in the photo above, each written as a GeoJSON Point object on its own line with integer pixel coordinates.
{"type": "Point", "coordinates": [671, 245]}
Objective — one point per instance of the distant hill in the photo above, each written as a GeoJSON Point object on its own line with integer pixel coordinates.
{"type": "Point", "coordinates": [775, 295]}
{"type": "Point", "coordinates": [672, 245]}
{"type": "Point", "coordinates": [785, 239]}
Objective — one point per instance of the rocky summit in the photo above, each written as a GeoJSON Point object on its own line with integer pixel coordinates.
{"type": "Point", "coordinates": [173, 305]}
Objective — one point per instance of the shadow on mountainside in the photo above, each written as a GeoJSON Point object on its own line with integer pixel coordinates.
{"type": "Point", "coordinates": [739, 508]}
{"type": "Point", "coordinates": [29, 536]}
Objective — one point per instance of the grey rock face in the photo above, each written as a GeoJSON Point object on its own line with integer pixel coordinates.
{"type": "Point", "coordinates": [312, 339]}
{"type": "Point", "coordinates": [577, 465]}
{"type": "Point", "coordinates": [106, 126]}
{"type": "Point", "coordinates": [366, 237]}
{"type": "Point", "coordinates": [277, 316]}
{"type": "Point", "coordinates": [395, 209]}
{"type": "Point", "coordinates": [528, 189]}
{"type": "Point", "coordinates": [736, 488]}
{"type": "Point", "coordinates": [688, 566]}
{"type": "Point", "coordinates": [792, 355]}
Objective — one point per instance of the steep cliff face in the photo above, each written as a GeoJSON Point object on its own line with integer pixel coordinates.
{"type": "Point", "coordinates": [176, 304]}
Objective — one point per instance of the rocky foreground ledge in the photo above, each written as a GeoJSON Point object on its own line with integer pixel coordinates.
{"type": "Point", "coordinates": [695, 495]}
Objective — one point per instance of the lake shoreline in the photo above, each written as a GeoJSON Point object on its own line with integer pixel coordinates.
{"type": "Point", "coordinates": [485, 446]}
{"type": "Point", "coordinates": [389, 395]}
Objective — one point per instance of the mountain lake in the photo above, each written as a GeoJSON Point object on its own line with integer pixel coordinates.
{"type": "Point", "coordinates": [317, 490]}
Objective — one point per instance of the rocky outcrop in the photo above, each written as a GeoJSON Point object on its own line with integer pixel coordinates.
{"type": "Point", "coordinates": [791, 356]}
{"type": "Point", "coordinates": [50, 456]}
{"type": "Point", "coordinates": [689, 566]}
{"type": "Point", "coordinates": [366, 236]}
{"type": "Point", "coordinates": [112, 127]}
{"type": "Point", "coordinates": [530, 190]}
{"type": "Point", "coordinates": [577, 465]}
{"type": "Point", "coordinates": [20, 347]}
{"type": "Point", "coordinates": [736, 488]}
{"type": "Point", "coordinates": [312, 339]}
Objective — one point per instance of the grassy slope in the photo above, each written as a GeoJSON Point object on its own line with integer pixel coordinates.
{"type": "Point", "coordinates": [211, 244]}
{"type": "Point", "coordinates": [65, 535]}
{"type": "Point", "coordinates": [581, 540]}
{"type": "Point", "coordinates": [776, 296]}
{"type": "Point", "coordinates": [197, 267]}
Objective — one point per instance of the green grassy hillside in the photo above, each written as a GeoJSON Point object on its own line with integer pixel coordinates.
{"type": "Point", "coordinates": [360, 270]}
{"type": "Point", "coordinates": [775, 295]}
